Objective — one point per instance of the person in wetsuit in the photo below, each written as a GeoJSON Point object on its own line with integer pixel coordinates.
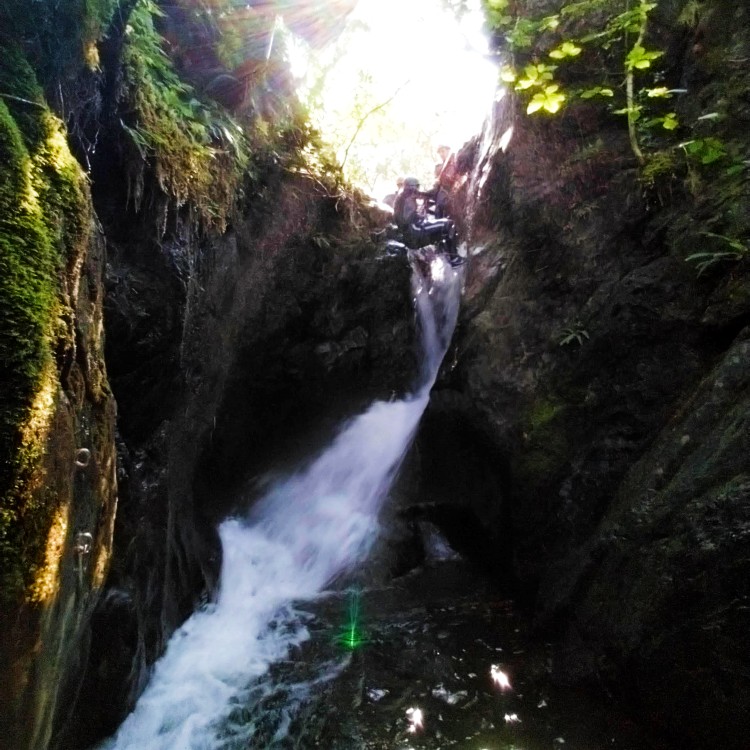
{"type": "Point", "coordinates": [416, 229]}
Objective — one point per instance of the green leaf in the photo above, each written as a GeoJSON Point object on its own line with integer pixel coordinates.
{"type": "Point", "coordinates": [550, 100]}
{"type": "Point", "coordinates": [596, 91]}
{"type": "Point", "coordinates": [535, 104]}
{"type": "Point", "coordinates": [705, 150]}
{"type": "Point", "coordinates": [659, 92]}
{"type": "Point", "coordinates": [566, 49]}
{"type": "Point", "coordinates": [739, 247]}
{"type": "Point", "coordinates": [633, 113]}
{"type": "Point", "coordinates": [535, 75]}
{"type": "Point", "coordinates": [670, 121]}
{"type": "Point", "coordinates": [640, 58]}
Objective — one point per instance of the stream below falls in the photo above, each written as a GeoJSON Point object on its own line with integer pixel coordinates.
{"type": "Point", "coordinates": [431, 641]}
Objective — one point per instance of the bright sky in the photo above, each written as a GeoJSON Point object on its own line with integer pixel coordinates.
{"type": "Point", "coordinates": [439, 67]}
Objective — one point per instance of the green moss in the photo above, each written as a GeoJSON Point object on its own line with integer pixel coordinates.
{"type": "Point", "coordinates": [59, 38]}
{"type": "Point", "coordinates": [44, 226]}
{"type": "Point", "coordinates": [27, 262]}
{"type": "Point", "coordinates": [545, 446]}
{"type": "Point", "coordinates": [542, 413]}
{"type": "Point", "coordinates": [659, 166]}
{"type": "Point", "coordinates": [198, 152]}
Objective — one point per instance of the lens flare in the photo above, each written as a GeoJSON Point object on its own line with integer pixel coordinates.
{"type": "Point", "coordinates": [352, 636]}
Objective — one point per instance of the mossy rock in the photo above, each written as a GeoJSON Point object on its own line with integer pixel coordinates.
{"type": "Point", "coordinates": [545, 448]}
{"type": "Point", "coordinates": [44, 229]}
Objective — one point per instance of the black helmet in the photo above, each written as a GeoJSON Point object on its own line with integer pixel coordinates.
{"type": "Point", "coordinates": [411, 182]}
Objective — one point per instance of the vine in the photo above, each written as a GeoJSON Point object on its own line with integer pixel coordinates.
{"type": "Point", "coordinates": [583, 29]}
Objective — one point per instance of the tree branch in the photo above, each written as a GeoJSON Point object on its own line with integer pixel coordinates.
{"type": "Point", "coordinates": [364, 119]}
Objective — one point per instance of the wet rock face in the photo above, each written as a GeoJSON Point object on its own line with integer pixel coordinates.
{"type": "Point", "coordinates": [664, 580]}
{"type": "Point", "coordinates": [594, 356]}
{"type": "Point", "coordinates": [454, 477]}
{"type": "Point", "coordinates": [46, 639]}
{"type": "Point", "coordinates": [320, 337]}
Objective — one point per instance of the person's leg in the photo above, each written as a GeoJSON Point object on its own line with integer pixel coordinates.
{"type": "Point", "coordinates": [441, 204]}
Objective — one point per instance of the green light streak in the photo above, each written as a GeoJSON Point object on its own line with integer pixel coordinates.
{"type": "Point", "coordinates": [351, 635]}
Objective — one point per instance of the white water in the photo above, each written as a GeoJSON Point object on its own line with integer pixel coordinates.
{"type": "Point", "coordinates": [305, 531]}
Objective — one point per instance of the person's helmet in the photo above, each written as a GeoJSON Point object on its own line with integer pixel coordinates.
{"type": "Point", "coordinates": [411, 183]}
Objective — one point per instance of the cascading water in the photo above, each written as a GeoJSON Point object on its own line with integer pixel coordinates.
{"type": "Point", "coordinates": [305, 531]}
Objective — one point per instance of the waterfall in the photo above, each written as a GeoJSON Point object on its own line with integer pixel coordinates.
{"type": "Point", "coordinates": [305, 531]}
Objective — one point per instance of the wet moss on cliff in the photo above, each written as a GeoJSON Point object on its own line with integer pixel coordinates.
{"type": "Point", "coordinates": [44, 228]}
{"type": "Point", "coordinates": [546, 447]}
{"type": "Point", "coordinates": [59, 37]}
{"type": "Point", "coordinates": [197, 151]}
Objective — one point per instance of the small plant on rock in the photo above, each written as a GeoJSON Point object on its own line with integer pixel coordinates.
{"type": "Point", "coordinates": [725, 250]}
{"type": "Point", "coordinates": [575, 334]}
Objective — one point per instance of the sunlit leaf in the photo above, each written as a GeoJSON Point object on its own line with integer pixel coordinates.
{"type": "Point", "coordinates": [535, 104]}
{"type": "Point", "coordinates": [507, 74]}
{"type": "Point", "coordinates": [670, 121]}
{"type": "Point", "coordinates": [566, 49]}
{"type": "Point", "coordinates": [535, 75]}
{"type": "Point", "coordinates": [659, 92]}
{"type": "Point", "coordinates": [640, 58]}
{"type": "Point", "coordinates": [550, 100]}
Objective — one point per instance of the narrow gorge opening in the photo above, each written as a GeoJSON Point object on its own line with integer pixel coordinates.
{"type": "Point", "coordinates": [239, 506]}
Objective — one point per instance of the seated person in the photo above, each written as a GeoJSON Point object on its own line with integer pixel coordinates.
{"type": "Point", "coordinates": [417, 230]}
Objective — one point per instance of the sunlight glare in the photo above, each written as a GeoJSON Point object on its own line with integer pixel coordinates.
{"type": "Point", "coordinates": [505, 139]}
{"type": "Point", "coordinates": [404, 78]}
{"type": "Point", "coordinates": [415, 718]}
{"type": "Point", "coordinates": [499, 677]}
